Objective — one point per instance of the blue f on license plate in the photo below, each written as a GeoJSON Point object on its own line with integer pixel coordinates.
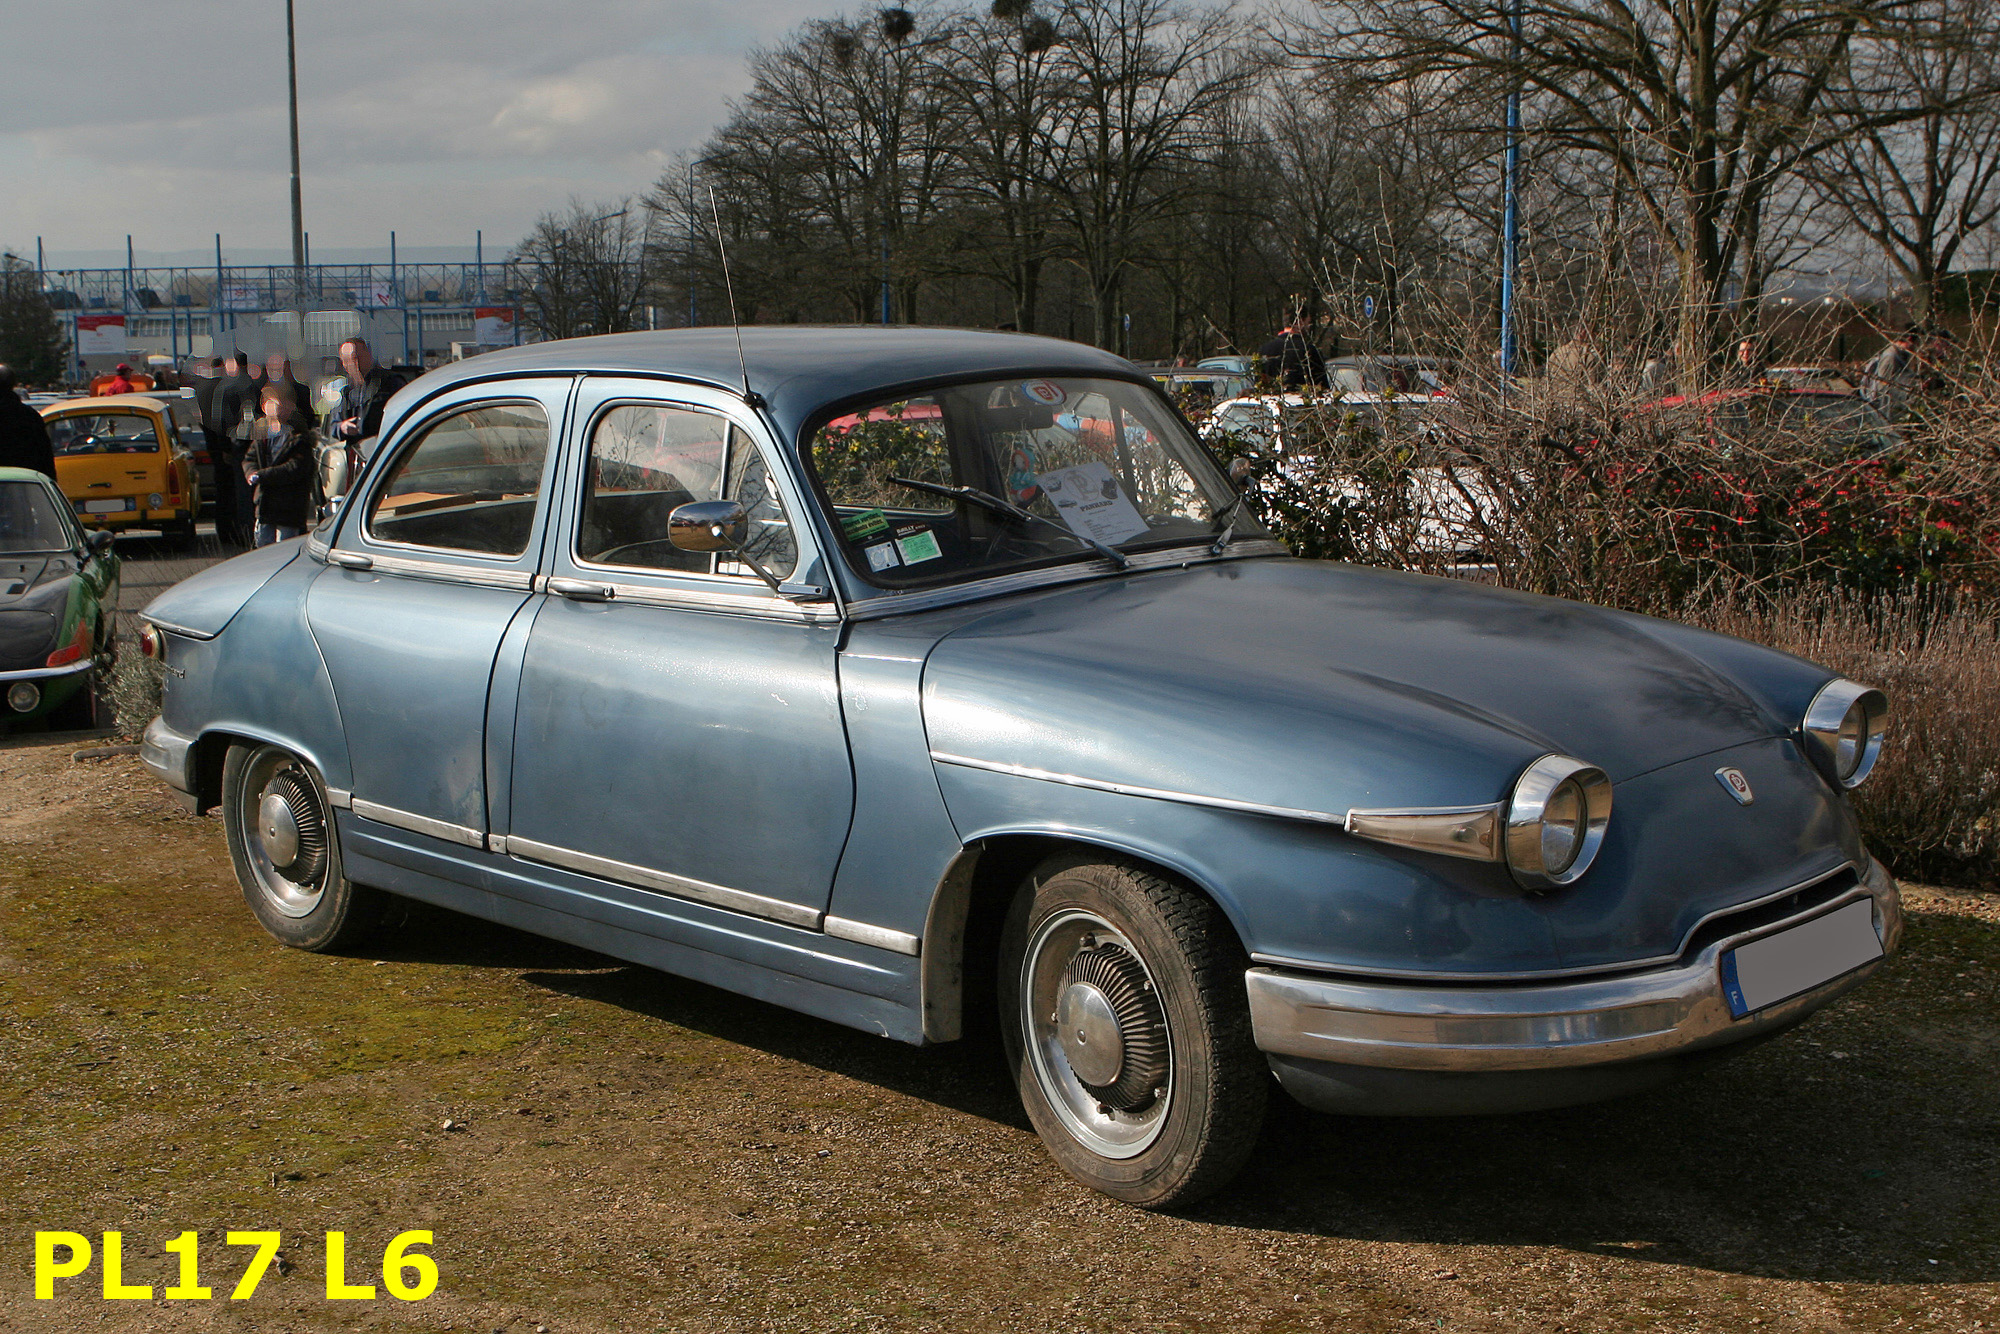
{"type": "Point", "coordinates": [1779, 967]}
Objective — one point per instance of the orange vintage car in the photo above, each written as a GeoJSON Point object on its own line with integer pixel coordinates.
{"type": "Point", "coordinates": [121, 463]}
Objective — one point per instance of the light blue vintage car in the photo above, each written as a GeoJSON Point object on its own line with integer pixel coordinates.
{"type": "Point", "coordinates": [897, 676]}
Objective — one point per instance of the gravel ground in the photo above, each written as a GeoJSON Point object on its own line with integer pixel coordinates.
{"type": "Point", "coordinates": [628, 1151]}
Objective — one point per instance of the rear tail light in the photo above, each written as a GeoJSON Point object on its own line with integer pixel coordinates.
{"type": "Point", "coordinates": [149, 643]}
{"type": "Point", "coordinates": [74, 651]}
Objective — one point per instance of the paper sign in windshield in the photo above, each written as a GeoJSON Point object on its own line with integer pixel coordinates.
{"type": "Point", "coordinates": [1092, 503]}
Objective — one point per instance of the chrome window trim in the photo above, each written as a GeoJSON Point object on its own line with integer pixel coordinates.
{"type": "Point", "coordinates": [520, 581]}
{"type": "Point", "coordinates": [742, 603]}
{"type": "Point", "coordinates": [1589, 970]}
{"type": "Point", "coordinates": [1132, 790]}
{"type": "Point", "coordinates": [365, 533]}
{"type": "Point", "coordinates": [863, 933]}
{"type": "Point", "coordinates": [317, 549]}
{"type": "Point", "coordinates": [894, 604]}
{"type": "Point", "coordinates": [416, 824]}
{"type": "Point", "coordinates": [665, 882]}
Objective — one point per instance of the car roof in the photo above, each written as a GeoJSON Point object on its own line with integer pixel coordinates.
{"type": "Point", "coordinates": [799, 369]}
{"type": "Point", "coordinates": [41, 479]}
{"type": "Point", "coordinates": [151, 402]}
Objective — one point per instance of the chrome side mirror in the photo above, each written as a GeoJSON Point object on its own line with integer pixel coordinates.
{"type": "Point", "coordinates": [1241, 469]}
{"type": "Point", "coordinates": [709, 525]}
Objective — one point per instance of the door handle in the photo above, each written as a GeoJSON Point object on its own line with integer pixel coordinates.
{"type": "Point", "coordinates": [351, 560]}
{"type": "Point", "coordinates": [579, 590]}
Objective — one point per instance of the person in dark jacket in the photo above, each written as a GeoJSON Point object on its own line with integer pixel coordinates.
{"type": "Point", "coordinates": [24, 436]}
{"type": "Point", "coordinates": [1291, 359]}
{"type": "Point", "coordinates": [357, 419]}
{"type": "Point", "coordinates": [278, 371]}
{"type": "Point", "coordinates": [278, 467]}
{"type": "Point", "coordinates": [234, 419]}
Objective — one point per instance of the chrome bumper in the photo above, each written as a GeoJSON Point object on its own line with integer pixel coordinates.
{"type": "Point", "coordinates": [165, 752]}
{"type": "Point", "coordinates": [45, 673]}
{"type": "Point", "coordinates": [1666, 1012]}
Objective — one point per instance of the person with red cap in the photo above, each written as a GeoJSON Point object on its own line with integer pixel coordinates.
{"type": "Point", "coordinates": [121, 383]}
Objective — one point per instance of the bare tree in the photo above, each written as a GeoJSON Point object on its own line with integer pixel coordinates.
{"type": "Point", "coordinates": [1920, 189]}
{"type": "Point", "coordinates": [583, 270]}
{"type": "Point", "coordinates": [1700, 107]}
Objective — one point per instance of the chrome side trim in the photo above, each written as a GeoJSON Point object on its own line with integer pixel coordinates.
{"type": "Point", "coordinates": [737, 603]}
{"type": "Point", "coordinates": [521, 581]}
{"type": "Point", "coordinates": [417, 824]}
{"type": "Point", "coordinates": [881, 937]}
{"type": "Point", "coordinates": [47, 673]}
{"type": "Point", "coordinates": [1471, 832]}
{"type": "Point", "coordinates": [1564, 1026]}
{"type": "Point", "coordinates": [643, 877]}
{"type": "Point", "coordinates": [340, 798]}
{"type": "Point", "coordinates": [181, 630]}
{"type": "Point", "coordinates": [317, 549]}
{"type": "Point", "coordinates": [894, 604]}
{"type": "Point", "coordinates": [1129, 790]}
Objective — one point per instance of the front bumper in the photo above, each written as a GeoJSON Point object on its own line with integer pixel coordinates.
{"type": "Point", "coordinates": [166, 752]}
{"type": "Point", "coordinates": [1364, 1045]}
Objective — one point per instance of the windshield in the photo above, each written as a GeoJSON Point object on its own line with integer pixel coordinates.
{"type": "Point", "coordinates": [1093, 460]}
{"type": "Point", "coordinates": [29, 520]}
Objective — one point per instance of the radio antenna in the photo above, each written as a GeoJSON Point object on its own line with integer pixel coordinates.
{"type": "Point", "coordinates": [750, 396]}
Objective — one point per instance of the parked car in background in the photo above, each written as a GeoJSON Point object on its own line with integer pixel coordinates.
{"type": "Point", "coordinates": [1820, 379]}
{"type": "Point", "coordinates": [1233, 364]}
{"type": "Point", "coordinates": [1832, 422]}
{"type": "Point", "coordinates": [895, 674]}
{"type": "Point", "coordinates": [122, 463]}
{"type": "Point", "coordinates": [58, 607]}
{"type": "Point", "coordinates": [1195, 391]}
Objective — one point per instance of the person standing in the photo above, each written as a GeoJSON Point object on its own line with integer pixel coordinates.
{"type": "Point", "coordinates": [1291, 359]}
{"type": "Point", "coordinates": [24, 436]}
{"type": "Point", "coordinates": [120, 382]}
{"type": "Point", "coordinates": [278, 371]}
{"type": "Point", "coordinates": [357, 418]}
{"type": "Point", "coordinates": [1885, 380]}
{"type": "Point", "coordinates": [278, 467]}
{"type": "Point", "coordinates": [235, 421]}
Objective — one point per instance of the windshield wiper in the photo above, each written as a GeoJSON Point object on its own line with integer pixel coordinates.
{"type": "Point", "coordinates": [1225, 518]}
{"type": "Point", "coordinates": [986, 500]}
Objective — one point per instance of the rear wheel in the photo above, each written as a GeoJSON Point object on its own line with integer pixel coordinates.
{"type": "Point", "coordinates": [282, 841]}
{"type": "Point", "coordinates": [1123, 1007]}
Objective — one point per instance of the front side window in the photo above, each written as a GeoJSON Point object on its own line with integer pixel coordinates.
{"type": "Point", "coordinates": [649, 459]}
{"type": "Point", "coordinates": [105, 433]}
{"type": "Point", "coordinates": [1057, 465]}
{"type": "Point", "coordinates": [469, 482]}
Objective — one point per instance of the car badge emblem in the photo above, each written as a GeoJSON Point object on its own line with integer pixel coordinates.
{"type": "Point", "coordinates": [1735, 784]}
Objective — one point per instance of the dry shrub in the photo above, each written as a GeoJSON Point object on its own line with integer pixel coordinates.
{"type": "Point", "coordinates": [134, 692]}
{"type": "Point", "coordinates": [1931, 810]}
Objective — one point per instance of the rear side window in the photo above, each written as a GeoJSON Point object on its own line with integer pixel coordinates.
{"type": "Point", "coordinates": [468, 483]}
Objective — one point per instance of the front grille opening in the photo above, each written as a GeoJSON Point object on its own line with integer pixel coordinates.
{"type": "Point", "coordinates": [1806, 897]}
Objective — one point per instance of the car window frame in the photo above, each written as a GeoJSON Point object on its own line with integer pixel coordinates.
{"type": "Point", "coordinates": [162, 439]}
{"type": "Point", "coordinates": [552, 394]}
{"type": "Point", "coordinates": [598, 393]}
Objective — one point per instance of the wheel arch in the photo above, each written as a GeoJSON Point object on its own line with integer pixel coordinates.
{"type": "Point", "coordinates": [961, 941]}
{"type": "Point", "coordinates": [211, 748]}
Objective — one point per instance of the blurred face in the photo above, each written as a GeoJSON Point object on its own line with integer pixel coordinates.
{"type": "Point", "coordinates": [355, 360]}
{"type": "Point", "coordinates": [231, 366]}
{"type": "Point", "coordinates": [277, 407]}
{"type": "Point", "coordinates": [277, 367]}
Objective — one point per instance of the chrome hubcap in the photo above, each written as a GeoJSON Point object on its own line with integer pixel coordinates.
{"type": "Point", "coordinates": [1097, 1040]}
{"type": "Point", "coordinates": [278, 830]}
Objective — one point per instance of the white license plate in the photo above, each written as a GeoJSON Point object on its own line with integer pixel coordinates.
{"type": "Point", "coordinates": [105, 507]}
{"type": "Point", "coordinates": [1779, 967]}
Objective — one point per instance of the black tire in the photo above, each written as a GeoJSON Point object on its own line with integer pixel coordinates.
{"type": "Point", "coordinates": [181, 533]}
{"type": "Point", "coordinates": [305, 901]}
{"type": "Point", "coordinates": [1181, 1101]}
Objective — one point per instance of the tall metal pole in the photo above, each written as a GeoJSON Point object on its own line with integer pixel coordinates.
{"type": "Point", "coordinates": [297, 350]}
{"type": "Point", "coordinates": [1510, 239]}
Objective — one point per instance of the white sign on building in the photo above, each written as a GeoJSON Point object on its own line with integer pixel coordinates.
{"type": "Point", "coordinates": [100, 335]}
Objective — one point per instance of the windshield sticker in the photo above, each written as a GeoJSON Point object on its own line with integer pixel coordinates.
{"type": "Point", "coordinates": [882, 556]}
{"type": "Point", "coordinates": [1045, 392]}
{"type": "Point", "coordinates": [864, 525]}
{"type": "Point", "coordinates": [1090, 501]}
{"type": "Point", "coordinates": [919, 547]}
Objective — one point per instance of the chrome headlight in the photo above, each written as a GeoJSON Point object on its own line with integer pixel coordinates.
{"type": "Point", "coordinates": [1556, 820]}
{"type": "Point", "coordinates": [1843, 730]}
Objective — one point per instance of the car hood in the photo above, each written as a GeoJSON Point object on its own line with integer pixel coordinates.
{"type": "Point", "coordinates": [1324, 687]}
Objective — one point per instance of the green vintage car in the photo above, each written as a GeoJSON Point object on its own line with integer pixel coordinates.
{"type": "Point", "coordinates": [58, 607]}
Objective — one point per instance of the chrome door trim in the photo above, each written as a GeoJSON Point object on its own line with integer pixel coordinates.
{"type": "Point", "coordinates": [518, 581]}
{"type": "Point", "coordinates": [738, 603]}
{"type": "Point", "coordinates": [881, 937]}
{"type": "Point", "coordinates": [340, 798]}
{"type": "Point", "coordinates": [665, 882]}
{"type": "Point", "coordinates": [417, 824]}
{"type": "Point", "coordinates": [1131, 790]}
{"type": "Point", "coordinates": [894, 604]}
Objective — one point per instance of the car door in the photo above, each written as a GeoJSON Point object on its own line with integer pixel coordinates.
{"type": "Point", "coordinates": [431, 564]}
{"type": "Point", "coordinates": [678, 723]}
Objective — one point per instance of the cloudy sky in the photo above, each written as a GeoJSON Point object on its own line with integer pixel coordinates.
{"type": "Point", "coordinates": [431, 117]}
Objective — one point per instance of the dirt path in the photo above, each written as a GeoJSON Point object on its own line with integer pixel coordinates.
{"type": "Point", "coordinates": [628, 1151]}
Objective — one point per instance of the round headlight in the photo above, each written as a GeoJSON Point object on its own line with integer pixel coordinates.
{"type": "Point", "coordinates": [1556, 820]}
{"type": "Point", "coordinates": [23, 695]}
{"type": "Point", "coordinates": [1843, 729]}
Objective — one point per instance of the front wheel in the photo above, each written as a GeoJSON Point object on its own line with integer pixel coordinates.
{"type": "Point", "coordinates": [1122, 1004]}
{"type": "Point", "coordinates": [281, 839]}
